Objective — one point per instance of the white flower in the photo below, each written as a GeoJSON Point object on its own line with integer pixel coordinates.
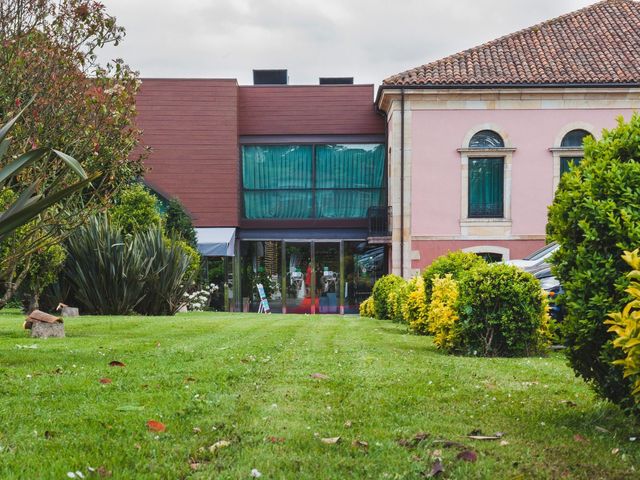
{"type": "Point", "coordinates": [255, 473]}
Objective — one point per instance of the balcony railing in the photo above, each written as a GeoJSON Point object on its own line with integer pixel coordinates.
{"type": "Point", "coordinates": [379, 221]}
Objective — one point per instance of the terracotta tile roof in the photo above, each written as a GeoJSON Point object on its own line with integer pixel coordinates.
{"type": "Point", "coordinates": [599, 44]}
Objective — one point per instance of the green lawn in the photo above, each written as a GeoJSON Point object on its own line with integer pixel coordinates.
{"type": "Point", "coordinates": [246, 379]}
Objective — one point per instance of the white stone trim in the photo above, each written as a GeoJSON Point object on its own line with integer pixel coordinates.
{"type": "Point", "coordinates": [505, 252]}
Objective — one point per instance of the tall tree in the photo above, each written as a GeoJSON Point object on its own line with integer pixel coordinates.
{"type": "Point", "coordinates": [81, 107]}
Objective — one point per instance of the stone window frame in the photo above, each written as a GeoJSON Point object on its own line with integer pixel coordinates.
{"type": "Point", "coordinates": [493, 226]}
{"type": "Point", "coordinates": [558, 151]}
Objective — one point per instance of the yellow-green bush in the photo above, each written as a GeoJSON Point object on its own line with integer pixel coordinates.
{"type": "Point", "coordinates": [381, 290]}
{"type": "Point", "coordinates": [415, 309]}
{"type": "Point", "coordinates": [442, 315]}
{"type": "Point", "coordinates": [626, 325]}
{"type": "Point", "coordinates": [366, 308]}
{"type": "Point", "coordinates": [396, 300]}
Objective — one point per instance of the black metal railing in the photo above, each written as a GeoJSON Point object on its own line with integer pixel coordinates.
{"type": "Point", "coordinates": [379, 221]}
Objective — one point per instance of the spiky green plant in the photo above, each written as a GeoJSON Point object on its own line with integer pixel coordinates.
{"type": "Point", "coordinates": [105, 272]}
{"type": "Point", "coordinates": [170, 273]}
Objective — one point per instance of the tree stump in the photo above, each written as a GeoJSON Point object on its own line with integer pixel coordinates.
{"type": "Point", "coordinates": [47, 330]}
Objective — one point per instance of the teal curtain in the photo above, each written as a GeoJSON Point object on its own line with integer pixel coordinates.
{"type": "Point", "coordinates": [277, 167]}
{"type": "Point", "coordinates": [486, 187]}
{"type": "Point", "coordinates": [277, 181]}
{"type": "Point", "coordinates": [349, 179]}
{"type": "Point", "coordinates": [567, 162]}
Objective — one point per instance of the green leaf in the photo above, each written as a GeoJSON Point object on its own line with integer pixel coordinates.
{"type": "Point", "coordinates": [23, 161]}
{"type": "Point", "coordinates": [72, 163]}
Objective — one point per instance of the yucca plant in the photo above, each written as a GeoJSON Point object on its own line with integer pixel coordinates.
{"type": "Point", "coordinates": [168, 278]}
{"type": "Point", "coordinates": [30, 203]}
{"type": "Point", "coordinates": [106, 272]}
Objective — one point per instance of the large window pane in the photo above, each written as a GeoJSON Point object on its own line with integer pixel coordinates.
{"type": "Point", "coordinates": [486, 185]}
{"type": "Point", "coordinates": [347, 203]}
{"type": "Point", "coordinates": [349, 166]}
{"type": "Point", "coordinates": [260, 262]}
{"type": "Point", "coordinates": [277, 167]}
{"type": "Point", "coordinates": [364, 264]}
{"type": "Point", "coordinates": [278, 204]}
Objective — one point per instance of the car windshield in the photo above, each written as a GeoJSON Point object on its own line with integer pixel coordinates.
{"type": "Point", "coordinates": [543, 252]}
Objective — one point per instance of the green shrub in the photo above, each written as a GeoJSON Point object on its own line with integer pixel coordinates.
{"type": "Point", "coordinates": [111, 274]}
{"type": "Point", "coordinates": [502, 312]}
{"type": "Point", "coordinates": [414, 310]}
{"type": "Point", "coordinates": [626, 326]}
{"type": "Point", "coordinates": [381, 290]}
{"type": "Point", "coordinates": [396, 300]}
{"type": "Point", "coordinates": [105, 273]}
{"type": "Point", "coordinates": [366, 308]}
{"type": "Point", "coordinates": [168, 277]}
{"type": "Point", "coordinates": [443, 314]}
{"type": "Point", "coordinates": [454, 263]}
{"type": "Point", "coordinates": [595, 216]}
{"type": "Point", "coordinates": [135, 210]}
{"type": "Point", "coordinates": [195, 260]}
{"type": "Point", "coordinates": [177, 222]}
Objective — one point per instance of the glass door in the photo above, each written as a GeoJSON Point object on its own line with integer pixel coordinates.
{"type": "Point", "coordinates": [327, 263]}
{"type": "Point", "coordinates": [299, 277]}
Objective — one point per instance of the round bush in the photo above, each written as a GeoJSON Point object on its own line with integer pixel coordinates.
{"type": "Point", "coordinates": [414, 310]}
{"type": "Point", "coordinates": [502, 312]}
{"type": "Point", "coordinates": [443, 313]}
{"type": "Point", "coordinates": [381, 290]}
{"type": "Point", "coordinates": [397, 299]}
{"type": "Point", "coordinates": [454, 263]}
{"type": "Point", "coordinates": [594, 217]}
{"type": "Point", "coordinates": [366, 308]}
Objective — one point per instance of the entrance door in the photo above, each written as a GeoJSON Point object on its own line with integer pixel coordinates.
{"type": "Point", "coordinates": [327, 263]}
{"type": "Point", "coordinates": [299, 277]}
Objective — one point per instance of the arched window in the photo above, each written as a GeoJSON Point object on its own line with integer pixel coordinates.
{"type": "Point", "coordinates": [573, 140]}
{"type": "Point", "coordinates": [486, 139]}
{"type": "Point", "coordinates": [486, 177]}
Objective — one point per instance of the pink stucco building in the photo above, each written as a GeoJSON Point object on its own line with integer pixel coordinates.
{"type": "Point", "coordinates": [477, 141]}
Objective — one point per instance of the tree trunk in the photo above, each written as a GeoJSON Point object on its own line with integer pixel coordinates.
{"type": "Point", "coordinates": [34, 303]}
{"type": "Point", "coordinates": [13, 286]}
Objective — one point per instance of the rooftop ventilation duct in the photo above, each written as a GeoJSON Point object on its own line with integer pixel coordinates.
{"type": "Point", "coordinates": [336, 80]}
{"type": "Point", "coordinates": [270, 77]}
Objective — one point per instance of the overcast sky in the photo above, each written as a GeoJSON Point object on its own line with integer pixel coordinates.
{"type": "Point", "coordinates": [367, 39]}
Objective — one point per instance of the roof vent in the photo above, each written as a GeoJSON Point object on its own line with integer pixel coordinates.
{"type": "Point", "coordinates": [336, 80]}
{"type": "Point", "coordinates": [270, 77]}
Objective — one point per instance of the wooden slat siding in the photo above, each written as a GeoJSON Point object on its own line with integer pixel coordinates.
{"type": "Point", "coordinates": [309, 110]}
{"type": "Point", "coordinates": [192, 127]}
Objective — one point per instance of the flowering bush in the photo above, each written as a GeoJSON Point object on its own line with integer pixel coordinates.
{"type": "Point", "coordinates": [442, 312]}
{"type": "Point", "coordinates": [199, 300]}
{"type": "Point", "coordinates": [414, 310]}
{"type": "Point", "coordinates": [366, 308]}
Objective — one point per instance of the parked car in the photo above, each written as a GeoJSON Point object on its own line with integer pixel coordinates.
{"type": "Point", "coordinates": [535, 259]}
{"type": "Point", "coordinates": [552, 286]}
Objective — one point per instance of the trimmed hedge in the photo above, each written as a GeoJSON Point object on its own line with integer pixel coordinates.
{"type": "Point", "coordinates": [595, 216]}
{"type": "Point", "coordinates": [454, 263]}
{"type": "Point", "coordinates": [381, 290]}
{"type": "Point", "coordinates": [502, 312]}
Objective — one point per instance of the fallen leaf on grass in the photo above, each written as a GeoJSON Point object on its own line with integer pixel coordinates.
{"type": "Point", "coordinates": [579, 438]}
{"type": "Point", "coordinates": [360, 444]}
{"type": "Point", "coordinates": [197, 430]}
{"type": "Point", "coordinates": [319, 376]}
{"type": "Point", "coordinates": [156, 426]}
{"type": "Point", "coordinates": [105, 381]}
{"type": "Point", "coordinates": [615, 451]}
{"type": "Point", "coordinates": [478, 435]}
{"type": "Point", "coordinates": [101, 471]}
{"type": "Point", "coordinates": [436, 453]}
{"type": "Point", "coordinates": [218, 445]}
{"type": "Point", "coordinates": [417, 438]}
{"type": "Point", "coordinates": [116, 363]}
{"type": "Point", "coordinates": [348, 424]}
{"type": "Point", "coordinates": [602, 429]}
{"type": "Point", "coordinates": [273, 439]}
{"type": "Point", "coordinates": [195, 465]}
{"type": "Point", "coordinates": [467, 456]}
{"type": "Point", "coordinates": [450, 444]}
{"type": "Point", "coordinates": [504, 443]}
{"type": "Point", "coordinates": [330, 440]}
{"type": "Point", "coordinates": [569, 403]}
{"type": "Point", "coordinates": [436, 469]}
{"type": "Point", "coordinates": [130, 408]}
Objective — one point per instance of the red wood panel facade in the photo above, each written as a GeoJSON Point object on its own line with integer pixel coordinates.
{"type": "Point", "coordinates": [192, 129]}
{"type": "Point", "coordinates": [309, 110]}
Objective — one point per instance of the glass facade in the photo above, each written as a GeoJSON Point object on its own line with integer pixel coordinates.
{"type": "Point", "coordinates": [339, 181]}
{"type": "Point", "coordinates": [308, 277]}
